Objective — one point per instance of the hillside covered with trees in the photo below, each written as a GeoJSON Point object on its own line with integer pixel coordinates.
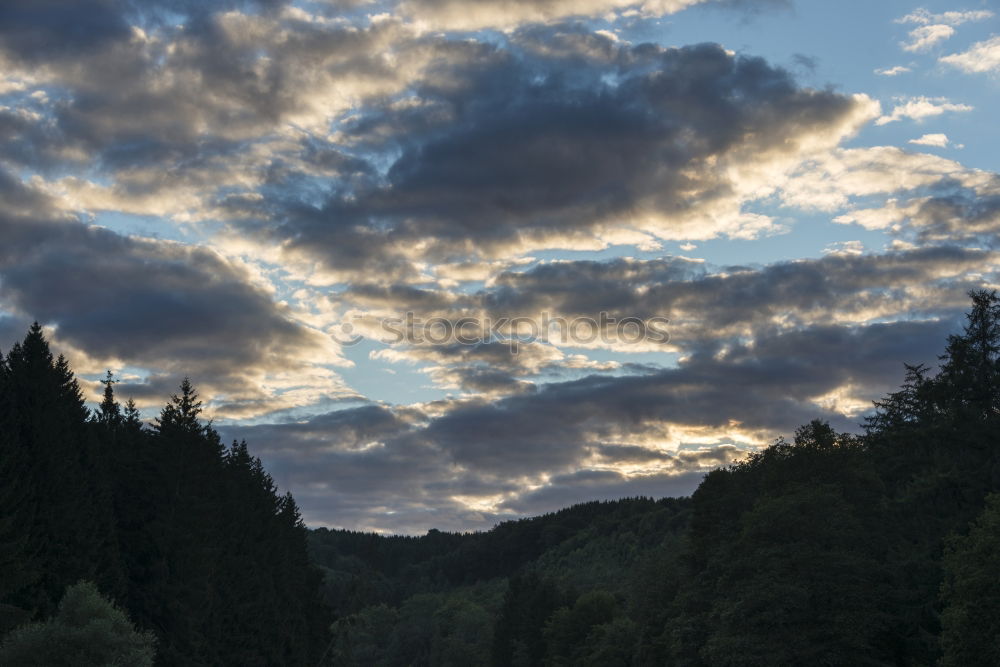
{"type": "Point", "coordinates": [120, 541]}
{"type": "Point", "coordinates": [832, 549]}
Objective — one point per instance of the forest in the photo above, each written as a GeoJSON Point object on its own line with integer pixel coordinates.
{"type": "Point", "coordinates": [127, 543]}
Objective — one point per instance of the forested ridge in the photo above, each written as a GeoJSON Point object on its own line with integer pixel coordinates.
{"type": "Point", "coordinates": [829, 549]}
{"type": "Point", "coordinates": [832, 549]}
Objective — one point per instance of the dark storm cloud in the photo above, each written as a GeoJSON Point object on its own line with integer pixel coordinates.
{"type": "Point", "coordinates": [366, 468]}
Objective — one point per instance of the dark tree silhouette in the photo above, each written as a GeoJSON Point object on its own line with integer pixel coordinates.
{"type": "Point", "coordinates": [193, 540]}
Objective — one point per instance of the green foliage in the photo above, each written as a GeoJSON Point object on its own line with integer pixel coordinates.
{"type": "Point", "coordinates": [362, 638]}
{"type": "Point", "coordinates": [971, 592]}
{"type": "Point", "coordinates": [520, 629]}
{"type": "Point", "coordinates": [464, 631]}
{"type": "Point", "coordinates": [568, 629]}
{"type": "Point", "coordinates": [451, 629]}
{"type": "Point", "coordinates": [86, 631]}
{"type": "Point", "coordinates": [612, 644]}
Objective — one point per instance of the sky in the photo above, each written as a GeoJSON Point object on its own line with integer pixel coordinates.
{"type": "Point", "coordinates": [444, 263]}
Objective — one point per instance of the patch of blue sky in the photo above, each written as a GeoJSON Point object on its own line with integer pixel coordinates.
{"type": "Point", "coordinates": [129, 374]}
{"type": "Point", "coordinates": [809, 237]}
{"type": "Point", "coordinates": [355, 12]}
{"type": "Point", "coordinates": [804, 234]}
{"type": "Point", "coordinates": [604, 254]}
{"type": "Point", "coordinates": [148, 226]}
{"type": "Point", "coordinates": [623, 355]}
{"type": "Point", "coordinates": [296, 414]}
{"type": "Point", "coordinates": [380, 380]}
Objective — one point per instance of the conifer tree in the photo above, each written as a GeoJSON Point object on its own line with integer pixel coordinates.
{"type": "Point", "coordinates": [65, 517]}
{"type": "Point", "coordinates": [20, 571]}
{"type": "Point", "coordinates": [194, 541]}
{"type": "Point", "coordinates": [970, 373]}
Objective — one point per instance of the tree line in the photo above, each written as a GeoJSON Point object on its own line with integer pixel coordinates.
{"type": "Point", "coordinates": [186, 536]}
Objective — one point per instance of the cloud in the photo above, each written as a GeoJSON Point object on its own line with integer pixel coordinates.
{"type": "Point", "coordinates": [924, 17]}
{"type": "Point", "coordinates": [506, 14]}
{"type": "Point", "coordinates": [763, 350]}
{"type": "Point", "coordinates": [918, 108]}
{"type": "Point", "coordinates": [490, 368]}
{"type": "Point", "coordinates": [227, 117]}
{"type": "Point", "coordinates": [176, 309]}
{"type": "Point", "coordinates": [706, 310]}
{"type": "Point", "coordinates": [466, 464]}
{"type": "Point", "coordinates": [42, 30]}
{"type": "Point", "coordinates": [46, 30]}
{"type": "Point", "coordinates": [934, 28]}
{"type": "Point", "coordinates": [958, 213]}
{"type": "Point", "coordinates": [899, 183]}
{"type": "Point", "coordinates": [926, 36]}
{"type": "Point", "coordinates": [709, 308]}
{"type": "Point", "coordinates": [845, 248]}
{"type": "Point", "coordinates": [893, 71]}
{"type": "Point", "coordinates": [242, 88]}
{"type": "Point", "coordinates": [982, 57]}
{"type": "Point", "coordinates": [834, 180]}
{"type": "Point", "coordinates": [169, 83]}
{"type": "Point", "coordinates": [510, 151]}
{"type": "Point", "coordinates": [936, 140]}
